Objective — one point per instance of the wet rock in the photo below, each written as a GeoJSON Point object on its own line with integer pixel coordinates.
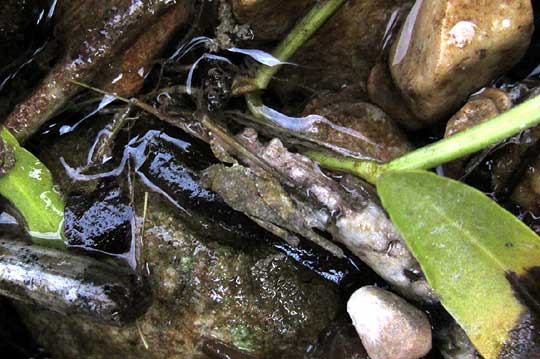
{"type": "Point", "coordinates": [527, 192]}
{"type": "Point", "coordinates": [343, 51]}
{"type": "Point", "coordinates": [208, 281]}
{"type": "Point", "coordinates": [514, 163]}
{"type": "Point", "coordinates": [91, 37]}
{"type": "Point", "coordinates": [71, 284]}
{"type": "Point", "coordinates": [508, 170]}
{"type": "Point", "coordinates": [336, 123]}
{"type": "Point", "coordinates": [509, 164]}
{"type": "Point", "coordinates": [480, 108]}
{"type": "Point", "coordinates": [360, 128]}
{"type": "Point", "coordinates": [269, 19]}
{"type": "Point", "coordinates": [383, 92]}
{"type": "Point", "coordinates": [448, 49]}
{"type": "Point", "coordinates": [389, 326]}
{"type": "Point", "coordinates": [504, 169]}
{"type": "Point", "coordinates": [255, 301]}
{"type": "Point", "coordinates": [101, 220]}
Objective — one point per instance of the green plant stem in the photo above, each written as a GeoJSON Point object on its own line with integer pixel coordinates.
{"type": "Point", "coordinates": [368, 170]}
{"type": "Point", "coordinates": [303, 30]}
{"type": "Point", "coordinates": [464, 143]}
{"type": "Point", "coordinates": [253, 102]}
{"type": "Point", "coordinates": [309, 24]}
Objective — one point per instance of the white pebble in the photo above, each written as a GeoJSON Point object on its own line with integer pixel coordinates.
{"type": "Point", "coordinates": [389, 327]}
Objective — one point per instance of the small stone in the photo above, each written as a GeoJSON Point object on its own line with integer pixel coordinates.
{"type": "Point", "coordinates": [269, 19]}
{"type": "Point", "coordinates": [527, 192]}
{"type": "Point", "coordinates": [357, 128]}
{"type": "Point", "coordinates": [480, 108]}
{"type": "Point", "coordinates": [388, 326]}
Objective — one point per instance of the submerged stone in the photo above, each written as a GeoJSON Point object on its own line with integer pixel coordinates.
{"type": "Point", "coordinates": [101, 220]}
{"type": "Point", "coordinates": [269, 19]}
{"type": "Point", "coordinates": [341, 54]}
{"type": "Point", "coordinates": [480, 108]}
{"type": "Point", "coordinates": [255, 300]}
{"type": "Point", "coordinates": [209, 280]}
{"type": "Point", "coordinates": [359, 128]}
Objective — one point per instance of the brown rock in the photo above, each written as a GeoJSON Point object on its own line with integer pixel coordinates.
{"type": "Point", "coordinates": [527, 193]}
{"type": "Point", "coordinates": [383, 92]}
{"type": "Point", "coordinates": [480, 108]}
{"type": "Point", "coordinates": [448, 49]}
{"type": "Point", "coordinates": [360, 128]}
{"type": "Point", "coordinates": [269, 19]}
{"type": "Point", "coordinates": [514, 165]}
{"type": "Point", "coordinates": [513, 162]}
{"type": "Point", "coordinates": [343, 51]}
{"type": "Point", "coordinates": [508, 165]}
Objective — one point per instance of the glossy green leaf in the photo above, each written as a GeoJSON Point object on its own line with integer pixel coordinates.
{"type": "Point", "coordinates": [467, 246]}
{"type": "Point", "coordinates": [29, 187]}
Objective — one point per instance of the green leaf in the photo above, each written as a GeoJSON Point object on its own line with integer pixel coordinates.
{"type": "Point", "coordinates": [30, 188]}
{"type": "Point", "coordinates": [467, 246]}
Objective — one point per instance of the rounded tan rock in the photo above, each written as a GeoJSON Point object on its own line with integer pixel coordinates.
{"type": "Point", "coordinates": [448, 49]}
{"type": "Point", "coordinates": [388, 326]}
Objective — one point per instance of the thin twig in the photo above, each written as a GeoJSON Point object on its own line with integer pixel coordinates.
{"type": "Point", "coordinates": [181, 123]}
{"type": "Point", "coordinates": [145, 208]}
{"type": "Point", "coordinates": [141, 335]}
{"type": "Point", "coordinates": [105, 142]}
